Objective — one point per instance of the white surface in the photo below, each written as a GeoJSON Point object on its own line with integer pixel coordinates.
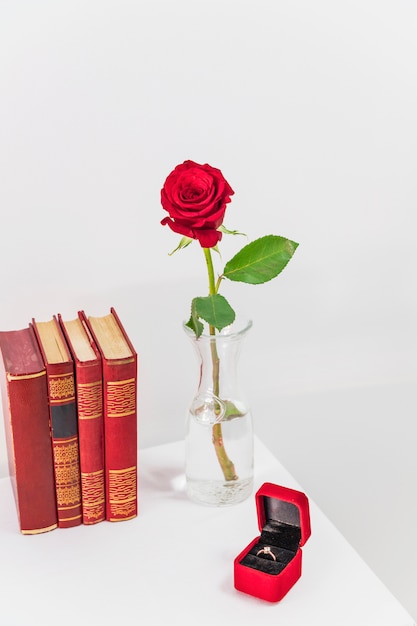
{"type": "Point", "coordinates": [176, 558]}
{"type": "Point", "coordinates": [355, 453]}
{"type": "Point", "coordinates": [309, 110]}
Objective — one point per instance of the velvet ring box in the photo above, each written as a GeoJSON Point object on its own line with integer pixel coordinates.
{"type": "Point", "coordinates": [271, 564]}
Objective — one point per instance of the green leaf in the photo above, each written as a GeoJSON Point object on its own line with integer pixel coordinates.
{"type": "Point", "coordinates": [231, 411]}
{"type": "Point", "coordinates": [225, 231]}
{"type": "Point", "coordinates": [194, 323]}
{"type": "Point", "coordinates": [261, 260]}
{"type": "Point", "coordinates": [185, 241]}
{"type": "Point", "coordinates": [214, 309]}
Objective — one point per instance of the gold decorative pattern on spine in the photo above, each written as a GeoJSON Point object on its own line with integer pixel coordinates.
{"type": "Point", "coordinates": [93, 496]}
{"type": "Point", "coordinates": [70, 519]}
{"type": "Point", "coordinates": [61, 388]}
{"type": "Point", "coordinates": [121, 398]}
{"type": "Point", "coordinates": [27, 377]}
{"type": "Point", "coordinates": [90, 400]}
{"type": "Point", "coordinates": [37, 531]}
{"type": "Point", "coordinates": [68, 488]}
{"type": "Point", "coordinates": [122, 492]}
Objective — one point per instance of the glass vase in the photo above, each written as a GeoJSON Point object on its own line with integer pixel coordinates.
{"type": "Point", "coordinates": [219, 427]}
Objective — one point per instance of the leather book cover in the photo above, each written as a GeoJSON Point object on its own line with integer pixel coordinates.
{"type": "Point", "coordinates": [26, 419]}
{"type": "Point", "coordinates": [89, 393]}
{"type": "Point", "coordinates": [119, 360]}
{"type": "Point", "coordinates": [63, 414]}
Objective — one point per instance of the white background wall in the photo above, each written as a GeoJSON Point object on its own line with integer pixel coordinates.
{"type": "Point", "coordinates": [308, 108]}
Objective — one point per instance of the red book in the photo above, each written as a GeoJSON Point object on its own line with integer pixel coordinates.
{"type": "Point", "coordinates": [26, 419]}
{"type": "Point", "coordinates": [89, 393]}
{"type": "Point", "coordinates": [63, 412]}
{"type": "Point", "coordinates": [120, 415]}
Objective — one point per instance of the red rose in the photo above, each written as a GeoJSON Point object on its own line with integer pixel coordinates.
{"type": "Point", "coordinates": [195, 197]}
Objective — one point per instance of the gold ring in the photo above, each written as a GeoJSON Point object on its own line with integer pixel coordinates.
{"type": "Point", "coordinates": [267, 551]}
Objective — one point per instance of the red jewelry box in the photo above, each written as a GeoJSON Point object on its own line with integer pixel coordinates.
{"type": "Point", "coordinates": [271, 564]}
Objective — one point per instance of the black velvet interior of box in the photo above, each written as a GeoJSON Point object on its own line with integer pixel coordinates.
{"type": "Point", "coordinates": [283, 540]}
{"type": "Point", "coordinates": [283, 535]}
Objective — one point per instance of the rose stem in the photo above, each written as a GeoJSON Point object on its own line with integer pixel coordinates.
{"type": "Point", "coordinates": [226, 464]}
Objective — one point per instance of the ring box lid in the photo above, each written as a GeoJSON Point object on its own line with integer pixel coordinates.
{"type": "Point", "coordinates": [280, 505]}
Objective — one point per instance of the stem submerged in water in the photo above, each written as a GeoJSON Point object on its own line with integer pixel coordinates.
{"type": "Point", "coordinates": [226, 464]}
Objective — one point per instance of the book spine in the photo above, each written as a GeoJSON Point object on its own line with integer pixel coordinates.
{"type": "Point", "coordinates": [62, 402]}
{"type": "Point", "coordinates": [120, 431]}
{"type": "Point", "coordinates": [29, 447]}
{"type": "Point", "coordinates": [89, 387]}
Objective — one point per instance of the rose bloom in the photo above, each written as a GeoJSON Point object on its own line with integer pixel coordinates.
{"type": "Point", "coordinates": [195, 196]}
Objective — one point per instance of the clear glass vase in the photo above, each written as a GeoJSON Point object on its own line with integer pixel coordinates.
{"type": "Point", "coordinates": [219, 428]}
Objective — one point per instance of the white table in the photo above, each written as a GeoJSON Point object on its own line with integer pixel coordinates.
{"type": "Point", "coordinates": [175, 560]}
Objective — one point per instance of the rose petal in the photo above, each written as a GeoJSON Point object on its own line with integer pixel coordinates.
{"type": "Point", "coordinates": [207, 238]}
{"type": "Point", "coordinates": [181, 229]}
